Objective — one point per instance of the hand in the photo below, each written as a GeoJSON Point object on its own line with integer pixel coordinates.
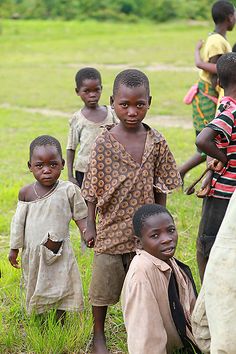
{"type": "Point", "coordinates": [89, 236]}
{"type": "Point", "coordinates": [199, 44]}
{"type": "Point", "coordinates": [13, 258]}
{"type": "Point", "coordinates": [206, 185]}
{"type": "Point", "coordinates": [216, 165]}
{"type": "Point", "coordinates": [73, 180]}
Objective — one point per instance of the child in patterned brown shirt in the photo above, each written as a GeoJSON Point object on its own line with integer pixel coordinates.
{"type": "Point", "coordinates": [130, 165]}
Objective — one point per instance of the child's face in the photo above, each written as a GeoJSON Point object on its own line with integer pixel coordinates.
{"type": "Point", "coordinates": [231, 21]}
{"type": "Point", "coordinates": [46, 164]}
{"type": "Point", "coordinates": [159, 236]}
{"type": "Point", "coordinates": [131, 105]}
{"type": "Point", "coordinates": [90, 92]}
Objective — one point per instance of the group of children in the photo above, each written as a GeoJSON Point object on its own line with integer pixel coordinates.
{"type": "Point", "coordinates": [125, 170]}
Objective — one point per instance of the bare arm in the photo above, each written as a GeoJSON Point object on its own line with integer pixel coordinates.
{"type": "Point", "coordinates": [207, 66]}
{"type": "Point", "coordinates": [70, 157]}
{"type": "Point", "coordinates": [13, 254]}
{"type": "Point", "coordinates": [82, 224]}
{"type": "Point", "coordinates": [206, 142]}
{"type": "Point", "coordinates": [90, 234]}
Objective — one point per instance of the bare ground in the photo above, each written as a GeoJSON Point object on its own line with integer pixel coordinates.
{"type": "Point", "coordinates": [159, 120]}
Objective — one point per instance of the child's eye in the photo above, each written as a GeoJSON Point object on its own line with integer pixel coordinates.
{"type": "Point", "coordinates": [124, 105]}
{"type": "Point", "coordinates": [53, 164]}
{"type": "Point", "coordinates": [171, 230]}
{"type": "Point", "coordinates": [39, 165]}
{"type": "Point", "coordinates": [140, 105]}
{"type": "Point", "coordinates": [155, 236]}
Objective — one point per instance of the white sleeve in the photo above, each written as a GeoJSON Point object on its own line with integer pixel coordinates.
{"type": "Point", "coordinates": [78, 206]}
{"type": "Point", "coordinates": [18, 226]}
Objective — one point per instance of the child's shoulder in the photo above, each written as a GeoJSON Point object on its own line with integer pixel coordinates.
{"type": "Point", "coordinates": [25, 193]}
{"type": "Point", "coordinates": [155, 133]}
{"type": "Point", "coordinates": [227, 104]}
{"type": "Point", "coordinates": [77, 117]}
{"type": "Point", "coordinates": [70, 188]}
{"type": "Point", "coordinates": [215, 38]}
{"type": "Point", "coordinates": [67, 185]}
{"type": "Point", "coordinates": [143, 262]}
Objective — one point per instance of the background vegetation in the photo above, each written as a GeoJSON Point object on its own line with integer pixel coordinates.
{"type": "Point", "coordinates": [119, 10]}
{"type": "Point", "coordinates": [38, 63]}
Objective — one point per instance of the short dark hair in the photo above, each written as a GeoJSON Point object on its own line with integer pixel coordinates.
{"type": "Point", "coordinates": [226, 69]}
{"type": "Point", "coordinates": [87, 74]}
{"type": "Point", "coordinates": [131, 78]}
{"type": "Point", "coordinates": [143, 213]}
{"type": "Point", "coordinates": [43, 140]}
{"type": "Point", "coordinates": [221, 10]}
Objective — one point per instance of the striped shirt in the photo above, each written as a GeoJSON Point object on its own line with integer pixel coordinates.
{"type": "Point", "coordinates": [224, 182]}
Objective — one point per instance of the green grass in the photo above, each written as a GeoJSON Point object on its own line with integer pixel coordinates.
{"type": "Point", "coordinates": [37, 66]}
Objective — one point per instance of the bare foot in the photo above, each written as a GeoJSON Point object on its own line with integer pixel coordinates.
{"type": "Point", "coordinates": [99, 345]}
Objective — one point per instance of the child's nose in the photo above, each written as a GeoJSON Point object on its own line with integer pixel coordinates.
{"type": "Point", "coordinates": [166, 238]}
{"type": "Point", "coordinates": [46, 169]}
{"type": "Point", "coordinates": [132, 111]}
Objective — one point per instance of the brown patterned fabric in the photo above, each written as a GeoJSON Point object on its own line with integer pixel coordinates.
{"type": "Point", "coordinates": [119, 185]}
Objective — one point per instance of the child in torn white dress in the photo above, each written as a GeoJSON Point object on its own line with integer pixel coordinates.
{"type": "Point", "coordinates": [40, 227]}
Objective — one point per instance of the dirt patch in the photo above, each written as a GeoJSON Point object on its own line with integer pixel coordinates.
{"type": "Point", "coordinates": [169, 122]}
{"type": "Point", "coordinates": [152, 67]}
{"type": "Point", "coordinates": [159, 120]}
{"type": "Point", "coordinates": [42, 111]}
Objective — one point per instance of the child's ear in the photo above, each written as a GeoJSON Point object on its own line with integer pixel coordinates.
{"type": "Point", "coordinates": [63, 164]}
{"type": "Point", "coordinates": [149, 101]}
{"type": "Point", "coordinates": [138, 242]}
{"type": "Point", "coordinates": [112, 101]}
{"type": "Point", "coordinates": [77, 91]}
{"type": "Point", "coordinates": [29, 166]}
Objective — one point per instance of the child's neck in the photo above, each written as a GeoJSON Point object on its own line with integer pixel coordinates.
{"type": "Point", "coordinates": [95, 114]}
{"type": "Point", "coordinates": [138, 129]}
{"type": "Point", "coordinates": [221, 29]}
{"type": "Point", "coordinates": [42, 191]}
{"type": "Point", "coordinates": [133, 140]}
{"type": "Point", "coordinates": [230, 91]}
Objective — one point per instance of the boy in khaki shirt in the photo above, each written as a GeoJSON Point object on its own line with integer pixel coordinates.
{"type": "Point", "coordinates": [159, 293]}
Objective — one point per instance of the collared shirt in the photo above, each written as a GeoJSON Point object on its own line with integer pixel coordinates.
{"type": "Point", "coordinates": [83, 132]}
{"type": "Point", "coordinates": [145, 304]}
{"type": "Point", "coordinates": [119, 185]}
{"type": "Point", "coordinates": [224, 182]}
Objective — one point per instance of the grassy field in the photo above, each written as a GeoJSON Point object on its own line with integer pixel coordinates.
{"type": "Point", "coordinates": [37, 66]}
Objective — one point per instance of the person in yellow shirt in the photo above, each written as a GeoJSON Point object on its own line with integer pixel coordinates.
{"type": "Point", "coordinates": [205, 100]}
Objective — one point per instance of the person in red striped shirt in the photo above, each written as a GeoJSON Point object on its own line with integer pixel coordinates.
{"type": "Point", "coordinates": [218, 141]}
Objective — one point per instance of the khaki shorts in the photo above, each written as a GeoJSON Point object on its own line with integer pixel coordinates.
{"type": "Point", "coordinates": [108, 276]}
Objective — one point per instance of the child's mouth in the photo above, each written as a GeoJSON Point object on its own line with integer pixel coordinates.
{"type": "Point", "coordinates": [168, 250]}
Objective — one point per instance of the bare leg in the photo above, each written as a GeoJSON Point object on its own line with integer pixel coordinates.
{"type": "Point", "coordinates": [192, 162]}
{"type": "Point", "coordinates": [60, 316]}
{"type": "Point", "coordinates": [202, 262]}
{"type": "Point", "coordinates": [99, 339]}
